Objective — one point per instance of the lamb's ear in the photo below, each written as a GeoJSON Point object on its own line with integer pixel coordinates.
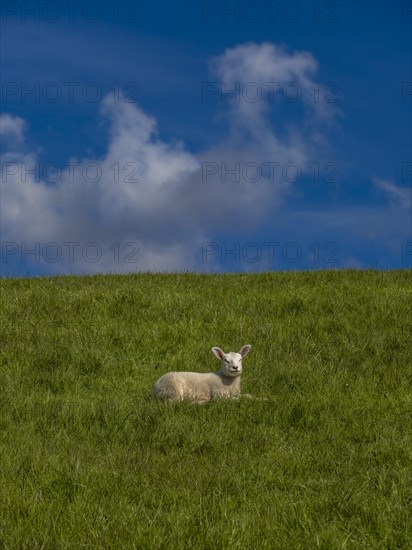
{"type": "Point", "coordinates": [219, 353]}
{"type": "Point", "coordinates": [245, 350]}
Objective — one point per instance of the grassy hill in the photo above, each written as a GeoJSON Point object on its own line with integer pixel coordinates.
{"type": "Point", "coordinates": [87, 460]}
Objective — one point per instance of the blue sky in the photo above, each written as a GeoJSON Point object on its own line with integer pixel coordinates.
{"type": "Point", "coordinates": [124, 149]}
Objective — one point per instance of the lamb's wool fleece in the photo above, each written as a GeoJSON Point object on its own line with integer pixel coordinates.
{"type": "Point", "coordinates": [197, 387]}
{"type": "Point", "coordinates": [203, 387]}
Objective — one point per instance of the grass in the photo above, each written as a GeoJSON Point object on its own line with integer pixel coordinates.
{"type": "Point", "coordinates": [89, 461]}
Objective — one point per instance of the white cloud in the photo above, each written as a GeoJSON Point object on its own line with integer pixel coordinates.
{"type": "Point", "coordinates": [398, 196]}
{"type": "Point", "coordinates": [154, 194]}
{"type": "Point", "coordinates": [11, 129]}
{"type": "Point", "coordinates": [264, 73]}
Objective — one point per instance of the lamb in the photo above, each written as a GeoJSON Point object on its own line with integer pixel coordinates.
{"type": "Point", "coordinates": [203, 387]}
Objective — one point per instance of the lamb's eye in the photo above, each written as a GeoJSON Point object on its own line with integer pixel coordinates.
{"type": "Point", "coordinates": [226, 360]}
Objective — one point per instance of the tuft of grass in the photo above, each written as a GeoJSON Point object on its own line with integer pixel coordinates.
{"type": "Point", "coordinates": [88, 460]}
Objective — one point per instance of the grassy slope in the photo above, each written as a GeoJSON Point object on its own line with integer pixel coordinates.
{"type": "Point", "coordinates": [88, 461]}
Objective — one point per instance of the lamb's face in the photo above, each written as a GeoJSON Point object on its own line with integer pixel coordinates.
{"type": "Point", "coordinates": [232, 364]}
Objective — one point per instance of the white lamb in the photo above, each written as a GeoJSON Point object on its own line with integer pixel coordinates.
{"type": "Point", "coordinates": [201, 387]}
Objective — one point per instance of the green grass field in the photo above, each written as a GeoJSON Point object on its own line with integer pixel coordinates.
{"type": "Point", "coordinates": [88, 460]}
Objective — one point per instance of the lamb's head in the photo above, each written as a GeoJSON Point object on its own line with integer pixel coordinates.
{"type": "Point", "coordinates": [231, 363]}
